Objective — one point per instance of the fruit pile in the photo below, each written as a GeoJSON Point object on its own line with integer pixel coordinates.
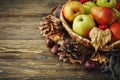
{"type": "Point", "coordinates": [85, 15]}
{"type": "Point", "coordinates": [97, 21]}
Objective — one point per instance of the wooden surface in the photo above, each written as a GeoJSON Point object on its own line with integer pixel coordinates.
{"type": "Point", "coordinates": [23, 54]}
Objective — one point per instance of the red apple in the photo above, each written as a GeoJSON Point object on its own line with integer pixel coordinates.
{"type": "Point", "coordinates": [72, 9]}
{"type": "Point", "coordinates": [103, 15]}
{"type": "Point", "coordinates": [115, 29]}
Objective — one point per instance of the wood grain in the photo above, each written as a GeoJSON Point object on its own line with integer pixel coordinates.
{"type": "Point", "coordinates": [27, 7]}
{"type": "Point", "coordinates": [23, 54]}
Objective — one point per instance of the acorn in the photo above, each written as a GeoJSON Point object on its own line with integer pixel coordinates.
{"type": "Point", "coordinates": [55, 49]}
{"type": "Point", "coordinates": [89, 65]}
{"type": "Point", "coordinates": [50, 43]}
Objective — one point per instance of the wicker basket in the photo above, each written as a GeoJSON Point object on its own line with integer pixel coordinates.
{"type": "Point", "coordinates": [85, 41]}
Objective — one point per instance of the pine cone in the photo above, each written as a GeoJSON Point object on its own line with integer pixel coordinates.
{"type": "Point", "coordinates": [68, 58]}
{"type": "Point", "coordinates": [73, 52]}
{"type": "Point", "coordinates": [50, 25]}
{"type": "Point", "coordinates": [71, 48]}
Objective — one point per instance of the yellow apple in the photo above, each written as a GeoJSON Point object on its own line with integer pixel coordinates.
{"type": "Point", "coordinates": [72, 9]}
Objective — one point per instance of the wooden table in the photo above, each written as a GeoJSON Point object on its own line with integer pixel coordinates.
{"type": "Point", "coordinates": [23, 54]}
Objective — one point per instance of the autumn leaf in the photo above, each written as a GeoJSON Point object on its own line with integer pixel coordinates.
{"type": "Point", "coordinates": [99, 38]}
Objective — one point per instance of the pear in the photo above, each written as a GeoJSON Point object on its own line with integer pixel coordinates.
{"type": "Point", "coordinates": [103, 15]}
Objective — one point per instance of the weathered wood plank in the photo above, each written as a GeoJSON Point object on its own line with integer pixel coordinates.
{"type": "Point", "coordinates": [27, 59]}
{"type": "Point", "coordinates": [25, 18]}
{"type": "Point", "coordinates": [23, 45]}
{"type": "Point", "coordinates": [19, 28]}
{"type": "Point", "coordinates": [50, 74]}
{"type": "Point", "coordinates": [27, 7]}
{"type": "Point", "coordinates": [29, 68]}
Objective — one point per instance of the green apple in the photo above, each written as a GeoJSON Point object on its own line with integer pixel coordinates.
{"type": "Point", "coordinates": [82, 24]}
{"type": "Point", "coordinates": [87, 6]}
{"type": "Point", "coordinates": [107, 3]}
{"type": "Point", "coordinates": [72, 9]}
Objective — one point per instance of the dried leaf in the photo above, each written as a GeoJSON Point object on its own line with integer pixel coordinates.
{"type": "Point", "coordinates": [74, 61]}
{"type": "Point", "coordinates": [99, 38]}
{"type": "Point", "coordinates": [98, 57]}
{"type": "Point", "coordinates": [57, 36]}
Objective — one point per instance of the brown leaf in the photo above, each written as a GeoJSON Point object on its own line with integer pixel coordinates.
{"type": "Point", "coordinates": [99, 38]}
{"type": "Point", "coordinates": [98, 57]}
{"type": "Point", "coordinates": [57, 36]}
